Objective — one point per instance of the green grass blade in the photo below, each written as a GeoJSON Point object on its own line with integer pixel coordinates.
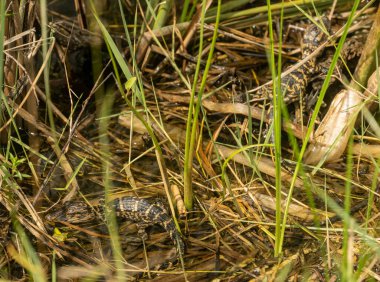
{"type": "Point", "coordinates": [347, 266]}
{"type": "Point", "coordinates": [163, 12]}
{"type": "Point", "coordinates": [191, 128]}
{"type": "Point", "coordinates": [44, 31]}
{"type": "Point", "coordinates": [276, 103]}
{"type": "Point", "coordinates": [33, 263]}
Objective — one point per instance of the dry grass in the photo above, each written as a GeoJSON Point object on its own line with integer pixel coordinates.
{"type": "Point", "coordinates": [122, 129]}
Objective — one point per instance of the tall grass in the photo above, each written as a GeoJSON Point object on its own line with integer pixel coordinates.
{"type": "Point", "coordinates": [313, 119]}
{"type": "Point", "coordinates": [277, 105]}
{"type": "Point", "coordinates": [44, 31]}
{"type": "Point", "coordinates": [192, 121]}
{"type": "Point", "coordinates": [28, 258]}
{"type": "Point", "coordinates": [134, 96]}
{"type": "Point", "coordinates": [137, 90]}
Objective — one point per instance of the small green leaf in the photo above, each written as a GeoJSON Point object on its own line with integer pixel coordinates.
{"type": "Point", "coordinates": [61, 237]}
{"type": "Point", "coordinates": [130, 83]}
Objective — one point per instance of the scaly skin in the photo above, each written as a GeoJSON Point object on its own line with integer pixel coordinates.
{"type": "Point", "coordinates": [294, 84]}
{"type": "Point", "coordinates": [141, 211]}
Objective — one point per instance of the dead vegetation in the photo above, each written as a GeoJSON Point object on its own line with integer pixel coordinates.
{"type": "Point", "coordinates": [80, 120]}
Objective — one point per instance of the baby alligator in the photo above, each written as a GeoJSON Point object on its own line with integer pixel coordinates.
{"type": "Point", "coordinates": [294, 84]}
{"type": "Point", "coordinates": [141, 211]}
